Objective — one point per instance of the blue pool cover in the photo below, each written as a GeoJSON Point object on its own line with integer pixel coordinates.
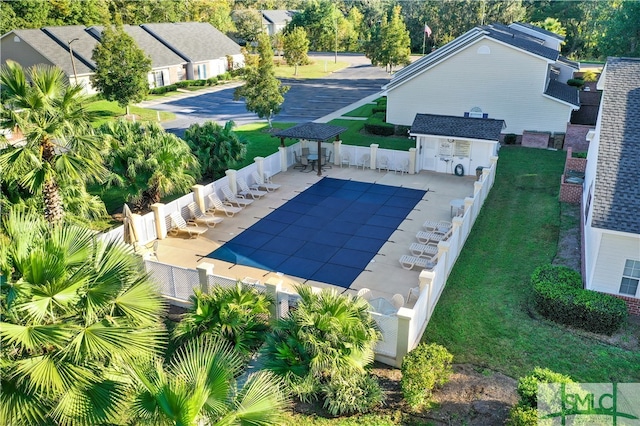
{"type": "Point", "coordinates": [328, 233]}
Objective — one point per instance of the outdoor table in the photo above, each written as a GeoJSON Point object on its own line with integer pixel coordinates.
{"type": "Point", "coordinates": [383, 306]}
{"type": "Point", "coordinates": [313, 158]}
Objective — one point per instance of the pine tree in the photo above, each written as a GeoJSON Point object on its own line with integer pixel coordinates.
{"type": "Point", "coordinates": [121, 67]}
{"type": "Point", "coordinates": [262, 91]}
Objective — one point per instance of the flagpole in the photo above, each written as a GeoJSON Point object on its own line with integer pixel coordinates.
{"type": "Point", "coordinates": [424, 39]}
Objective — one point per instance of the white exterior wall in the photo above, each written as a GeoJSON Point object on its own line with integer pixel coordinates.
{"type": "Point", "coordinates": [428, 158]}
{"type": "Point", "coordinates": [507, 84]}
{"type": "Point", "coordinates": [614, 249]}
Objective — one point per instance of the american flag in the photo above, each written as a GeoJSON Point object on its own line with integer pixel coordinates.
{"type": "Point", "coordinates": [427, 30]}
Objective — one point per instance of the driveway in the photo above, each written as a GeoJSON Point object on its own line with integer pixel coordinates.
{"type": "Point", "coordinates": [307, 100]}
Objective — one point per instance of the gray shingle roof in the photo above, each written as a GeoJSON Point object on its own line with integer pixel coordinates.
{"type": "Point", "coordinates": [311, 131]}
{"type": "Point", "coordinates": [563, 92]}
{"type": "Point", "coordinates": [82, 48]}
{"type": "Point", "coordinates": [161, 56]}
{"type": "Point", "coordinates": [540, 30]}
{"type": "Point", "coordinates": [520, 40]}
{"type": "Point", "coordinates": [567, 61]}
{"type": "Point", "coordinates": [452, 126]}
{"type": "Point", "coordinates": [616, 199]}
{"type": "Point", "coordinates": [194, 41]}
{"type": "Point", "coordinates": [52, 50]}
{"type": "Point", "coordinates": [278, 16]}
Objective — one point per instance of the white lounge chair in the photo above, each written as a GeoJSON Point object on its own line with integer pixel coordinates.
{"type": "Point", "coordinates": [423, 250]}
{"type": "Point", "coordinates": [409, 262]}
{"type": "Point", "coordinates": [216, 205]}
{"type": "Point", "coordinates": [200, 218]}
{"type": "Point", "coordinates": [442, 226]}
{"type": "Point", "coordinates": [178, 226]}
{"type": "Point", "coordinates": [230, 197]}
{"type": "Point", "coordinates": [262, 183]}
{"type": "Point", "coordinates": [424, 237]}
{"type": "Point", "coordinates": [365, 293]}
{"type": "Point", "coordinates": [246, 191]}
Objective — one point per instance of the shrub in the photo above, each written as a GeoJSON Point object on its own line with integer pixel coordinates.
{"type": "Point", "coordinates": [576, 82]}
{"type": "Point", "coordinates": [402, 130]}
{"type": "Point", "coordinates": [528, 385]}
{"type": "Point", "coordinates": [376, 110]}
{"type": "Point", "coordinates": [382, 102]}
{"type": "Point", "coordinates": [200, 83]}
{"type": "Point", "coordinates": [510, 138]}
{"type": "Point", "coordinates": [522, 416]}
{"type": "Point", "coordinates": [586, 309]}
{"type": "Point", "coordinates": [183, 83]}
{"type": "Point", "coordinates": [158, 90]}
{"type": "Point", "coordinates": [356, 394]}
{"type": "Point", "coordinates": [212, 81]}
{"type": "Point", "coordinates": [381, 129]}
{"type": "Point", "coordinates": [424, 368]}
{"type": "Point", "coordinates": [590, 75]}
{"type": "Point", "coordinates": [557, 274]}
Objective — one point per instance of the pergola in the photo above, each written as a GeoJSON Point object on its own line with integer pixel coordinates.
{"type": "Point", "coordinates": [313, 132]}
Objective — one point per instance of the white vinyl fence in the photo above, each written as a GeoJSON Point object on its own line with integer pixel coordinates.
{"type": "Point", "coordinates": [401, 332]}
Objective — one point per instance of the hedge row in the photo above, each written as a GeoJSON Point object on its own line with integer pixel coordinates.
{"type": "Point", "coordinates": [212, 81]}
{"type": "Point", "coordinates": [558, 298]}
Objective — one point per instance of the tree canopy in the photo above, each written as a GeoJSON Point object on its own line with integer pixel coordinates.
{"type": "Point", "coordinates": [121, 67]}
{"type": "Point", "coordinates": [262, 91]}
{"type": "Point", "coordinates": [296, 46]}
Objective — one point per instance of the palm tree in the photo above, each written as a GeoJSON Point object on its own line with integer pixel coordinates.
{"type": "Point", "coordinates": [327, 335]}
{"type": "Point", "coordinates": [74, 311]}
{"type": "Point", "coordinates": [198, 386]}
{"type": "Point", "coordinates": [238, 314]}
{"type": "Point", "coordinates": [216, 147]}
{"type": "Point", "coordinates": [59, 144]}
{"type": "Point", "coordinates": [148, 161]}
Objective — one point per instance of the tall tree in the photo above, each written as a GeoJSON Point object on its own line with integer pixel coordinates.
{"type": "Point", "coordinates": [60, 147]}
{"type": "Point", "coordinates": [199, 386]}
{"type": "Point", "coordinates": [248, 24]}
{"type": "Point", "coordinates": [622, 31]}
{"type": "Point", "coordinates": [262, 91]}
{"type": "Point", "coordinates": [217, 147]}
{"type": "Point", "coordinates": [149, 162]}
{"type": "Point", "coordinates": [75, 311]}
{"type": "Point", "coordinates": [122, 68]}
{"type": "Point", "coordinates": [396, 44]}
{"type": "Point", "coordinates": [296, 46]}
{"type": "Point", "coordinates": [319, 19]}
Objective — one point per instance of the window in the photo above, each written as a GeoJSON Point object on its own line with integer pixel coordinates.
{"type": "Point", "coordinates": [202, 71]}
{"type": "Point", "coordinates": [630, 278]}
{"type": "Point", "coordinates": [158, 79]}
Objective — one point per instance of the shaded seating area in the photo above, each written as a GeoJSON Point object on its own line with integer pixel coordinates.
{"type": "Point", "coordinates": [319, 132]}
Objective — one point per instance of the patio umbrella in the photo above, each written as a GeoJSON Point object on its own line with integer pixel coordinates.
{"type": "Point", "coordinates": [130, 234]}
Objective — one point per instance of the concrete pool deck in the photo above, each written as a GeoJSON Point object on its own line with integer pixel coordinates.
{"type": "Point", "coordinates": [383, 276]}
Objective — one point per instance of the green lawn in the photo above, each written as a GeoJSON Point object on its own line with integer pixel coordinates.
{"type": "Point", "coordinates": [355, 136]}
{"type": "Point", "coordinates": [365, 110]}
{"type": "Point", "coordinates": [107, 111]}
{"type": "Point", "coordinates": [317, 69]}
{"type": "Point", "coordinates": [483, 314]}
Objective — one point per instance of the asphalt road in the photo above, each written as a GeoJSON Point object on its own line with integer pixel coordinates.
{"type": "Point", "coordinates": [307, 100]}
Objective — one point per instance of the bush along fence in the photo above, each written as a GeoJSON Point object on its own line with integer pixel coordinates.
{"type": "Point", "coordinates": [401, 331]}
